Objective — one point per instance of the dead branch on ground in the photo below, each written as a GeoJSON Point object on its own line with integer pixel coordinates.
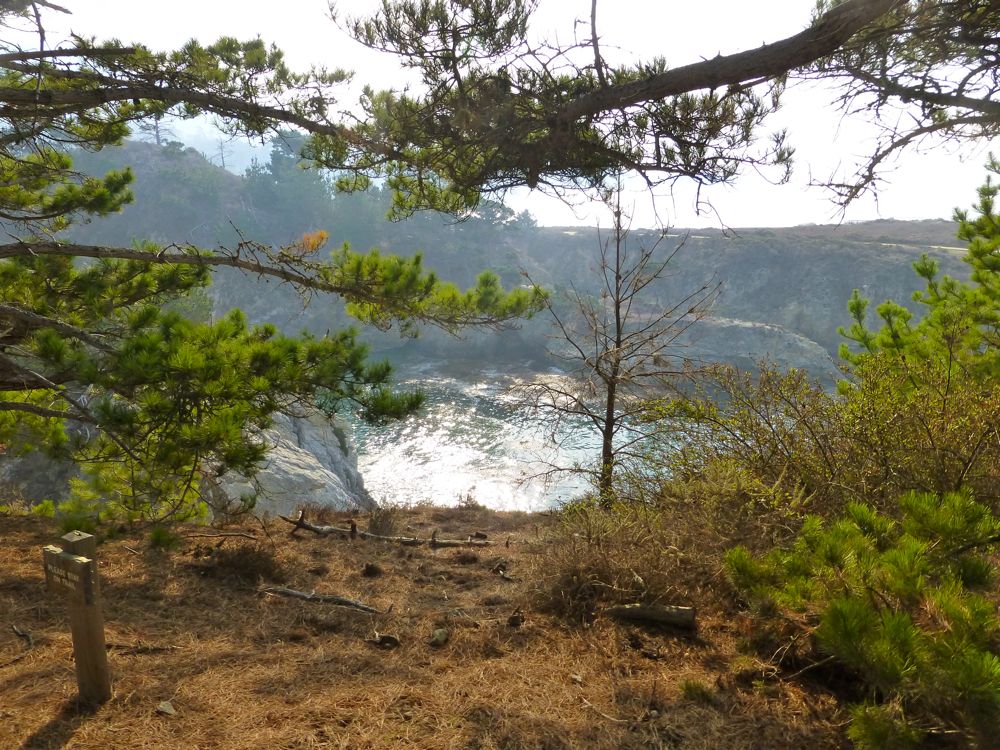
{"type": "Point", "coordinates": [354, 533]}
{"type": "Point", "coordinates": [312, 596]}
{"type": "Point", "coordinates": [222, 535]}
{"type": "Point", "coordinates": [29, 645]}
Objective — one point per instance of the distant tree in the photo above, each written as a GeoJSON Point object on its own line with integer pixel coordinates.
{"type": "Point", "coordinates": [619, 345]}
{"type": "Point", "coordinates": [525, 220]}
{"type": "Point", "coordinates": [286, 195]}
{"type": "Point", "coordinates": [154, 128]}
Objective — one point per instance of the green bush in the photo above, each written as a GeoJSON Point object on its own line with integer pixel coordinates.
{"type": "Point", "coordinates": [160, 537]}
{"type": "Point", "coordinates": [904, 605]}
{"type": "Point", "coordinates": [44, 509]}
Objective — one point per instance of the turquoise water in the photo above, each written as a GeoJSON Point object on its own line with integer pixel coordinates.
{"type": "Point", "coordinates": [474, 439]}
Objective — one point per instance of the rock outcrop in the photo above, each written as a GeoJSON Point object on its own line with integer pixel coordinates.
{"type": "Point", "coordinates": [34, 477]}
{"type": "Point", "coordinates": [312, 461]}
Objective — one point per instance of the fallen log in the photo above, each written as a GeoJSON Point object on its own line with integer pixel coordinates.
{"type": "Point", "coordinates": [678, 617]}
{"type": "Point", "coordinates": [354, 533]}
{"type": "Point", "coordinates": [312, 596]}
{"type": "Point", "coordinates": [302, 523]}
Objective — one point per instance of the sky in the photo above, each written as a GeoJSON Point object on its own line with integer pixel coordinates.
{"type": "Point", "coordinates": [921, 184]}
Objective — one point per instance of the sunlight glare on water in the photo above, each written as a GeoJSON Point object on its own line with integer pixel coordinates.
{"type": "Point", "coordinates": [472, 439]}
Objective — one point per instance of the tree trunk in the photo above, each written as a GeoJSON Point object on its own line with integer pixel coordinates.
{"type": "Point", "coordinates": [824, 37]}
{"type": "Point", "coordinates": [605, 480]}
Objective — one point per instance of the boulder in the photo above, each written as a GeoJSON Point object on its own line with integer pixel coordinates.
{"type": "Point", "coordinates": [312, 461]}
{"type": "Point", "coordinates": [34, 477]}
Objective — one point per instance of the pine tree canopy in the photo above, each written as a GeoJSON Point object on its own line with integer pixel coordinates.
{"type": "Point", "coordinates": [498, 109]}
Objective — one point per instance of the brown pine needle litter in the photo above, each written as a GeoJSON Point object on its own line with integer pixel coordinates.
{"type": "Point", "coordinates": [192, 627]}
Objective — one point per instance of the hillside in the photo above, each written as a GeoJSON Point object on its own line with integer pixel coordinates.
{"type": "Point", "coordinates": [784, 291]}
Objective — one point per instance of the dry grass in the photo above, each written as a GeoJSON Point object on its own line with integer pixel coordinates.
{"type": "Point", "coordinates": [655, 554]}
{"type": "Point", "coordinates": [385, 520]}
{"type": "Point", "coordinates": [249, 670]}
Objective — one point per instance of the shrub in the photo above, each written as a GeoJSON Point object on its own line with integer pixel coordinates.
{"type": "Point", "coordinates": [697, 692]}
{"type": "Point", "coordinates": [917, 411]}
{"type": "Point", "coordinates": [902, 605]}
{"type": "Point", "coordinates": [250, 563]}
{"type": "Point", "coordinates": [619, 554]}
{"type": "Point", "coordinates": [44, 509]}
{"type": "Point", "coordinates": [160, 537]}
{"type": "Point", "coordinates": [468, 502]}
{"type": "Point", "coordinates": [12, 500]}
{"type": "Point", "coordinates": [891, 429]}
{"type": "Point", "coordinates": [76, 514]}
{"type": "Point", "coordinates": [384, 520]}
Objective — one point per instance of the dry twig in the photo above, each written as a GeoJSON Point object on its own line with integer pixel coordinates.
{"type": "Point", "coordinates": [312, 596]}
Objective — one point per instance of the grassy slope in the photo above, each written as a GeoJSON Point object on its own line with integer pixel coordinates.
{"type": "Point", "coordinates": [248, 670]}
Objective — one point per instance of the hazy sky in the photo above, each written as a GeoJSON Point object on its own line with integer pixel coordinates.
{"type": "Point", "coordinates": [921, 184]}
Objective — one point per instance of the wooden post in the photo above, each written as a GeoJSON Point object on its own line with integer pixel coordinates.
{"type": "Point", "coordinates": [72, 570]}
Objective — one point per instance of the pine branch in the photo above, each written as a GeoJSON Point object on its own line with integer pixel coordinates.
{"type": "Point", "coordinates": [296, 271]}
{"type": "Point", "coordinates": [76, 52]}
{"type": "Point", "coordinates": [41, 411]}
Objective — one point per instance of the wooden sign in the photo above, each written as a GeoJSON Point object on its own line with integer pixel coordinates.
{"type": "Point", "coordinates": [72, 570]}
{"type": "Point", "coordinates": [69, 574]}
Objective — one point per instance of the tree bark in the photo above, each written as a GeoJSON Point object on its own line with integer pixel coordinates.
{"type": "Point", "coordinates": [678, 617]}
{"type": "Point", "coordinates": [824, 37]}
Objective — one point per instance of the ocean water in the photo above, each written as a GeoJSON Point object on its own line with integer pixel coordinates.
{"type": "Point", "coordinates": [475, 438]}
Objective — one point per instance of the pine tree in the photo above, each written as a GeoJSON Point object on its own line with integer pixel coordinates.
{"type": "Point", "coordinates": [938, 373]}
{"type": "Point", "coordinates": [903, 598]}
{"type": "Point", "coordinates": [903, 606]}
{"type": "Point", "coordinates": [501, 107]}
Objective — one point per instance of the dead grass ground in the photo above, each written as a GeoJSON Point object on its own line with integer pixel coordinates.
{"type": "Point", "coordinates": [243, 669]}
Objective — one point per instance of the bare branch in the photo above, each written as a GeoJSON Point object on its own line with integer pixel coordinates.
{"type": "Point", "coordinates": [41, 411]}
{"type": "Point", "coordinates": [598, 60]}
{"type": "Point", "coordinates": [36, 321]}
